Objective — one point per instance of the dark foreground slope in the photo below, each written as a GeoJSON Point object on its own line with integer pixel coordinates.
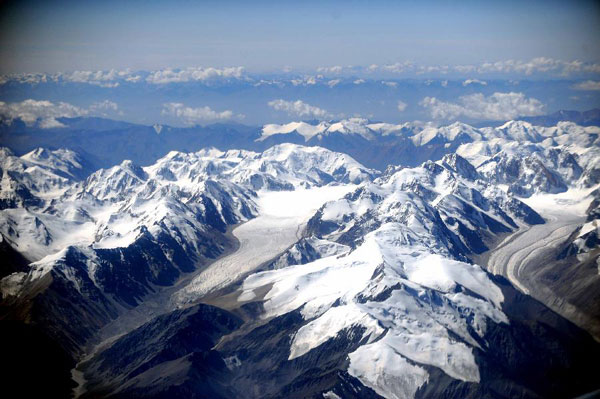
{"type": "Point", "coordinates": [203, 351]}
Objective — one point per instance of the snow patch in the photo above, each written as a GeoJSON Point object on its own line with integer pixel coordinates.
{"type": "Point", "coordinates": [329, 325]}
{"type": "Point", "coordinates": [381, 368]}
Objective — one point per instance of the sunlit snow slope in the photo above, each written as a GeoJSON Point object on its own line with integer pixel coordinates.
{"type": "Point", "coordinates": [279, 224]}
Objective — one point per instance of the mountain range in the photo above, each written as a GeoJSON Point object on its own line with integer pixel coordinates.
{"type": "Point", "coordinates": [104, 142]}
{"type": "Point", "coordinates": [310, 259]}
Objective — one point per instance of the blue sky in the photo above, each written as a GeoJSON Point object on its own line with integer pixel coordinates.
{"type": "Point", "coordinates": [51, 36]}
{"type": "Point", "coordinates": [255, 62]}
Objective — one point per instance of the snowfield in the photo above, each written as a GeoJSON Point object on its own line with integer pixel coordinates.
{"type": "Point", "coordinates": [283, 215]}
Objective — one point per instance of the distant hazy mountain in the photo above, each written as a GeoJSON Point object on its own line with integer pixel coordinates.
{"type": "Point", "coordinates": [585, 118]}
{"type": "Point", "coordinates": [105, 143]}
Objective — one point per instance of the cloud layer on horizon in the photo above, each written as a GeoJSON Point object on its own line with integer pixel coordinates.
{"type": "Point", "coordinates": [46, 112]}
{"type": "Point", "coordinates": [299, 109]}
{"type": "Point", "coordinates": [498, 106]}
{"type": "Point", "coordinates": [192, 116]}
{"type": "Point", "coordinates": [540, 66]}
{"type": "Point", "coordinates": [588, 85]}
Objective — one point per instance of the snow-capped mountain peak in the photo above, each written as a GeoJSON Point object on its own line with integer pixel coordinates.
{"type": "Point", "coordinates": [302, 128]}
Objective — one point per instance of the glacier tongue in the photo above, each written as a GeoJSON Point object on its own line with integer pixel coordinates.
{"type": "Point", "coordinates": [280, 222]}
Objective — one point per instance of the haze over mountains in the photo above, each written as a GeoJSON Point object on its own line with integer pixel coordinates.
{"type": "Point", "coordinates": [205, 95]}
{"type": "Point", "coordinates": [107, 142]}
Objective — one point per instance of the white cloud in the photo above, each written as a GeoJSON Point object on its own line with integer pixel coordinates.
{"type": "Point", "coordinates": [535, 65]}
{"type": "Point", "coordinates": [133, 79]}
{"type": "Point", "coordinates": [408, 67]}
{"type": "Point", "coordinates": [359, 81]}
{"type": "Point", "coordinates": [45, 112]}
{"type": "Point", "coordinates": [99, 78]}
{"type": "Point", "coordinates": [30, 111]}
{"type": "Point", "coordinates": [389, 84]}
{"type": "Point", "coordinates": [105, 105]}
{"type": "Point", "coordinates": [193, 74]}
{"type": "Point", "coordinates": [465, 68]}
{"type": "Point", "coordinates": [498, 106]}
{"type": "Point", "coordinates": [298, 108]}
{"type": "Point", "coordinates": [50, 123]}
{"type": "Point", "coordinates": [333, 82]}
{"type": "Point", "coordinates": [398, 67]}
{"type": "Point", "coordinates": [28, 78]}
{"type": "Point", "coordinates": [306, 81]}
{"type": "Point", "coordinates": [474, 81]}
{"type": "Point", "coordinates": [112, 77]}
{"type": "Point", "coordinates": [591, 85]}
{"type": "Point", "coordinates": [330, 70]}
{"type": "Point", "coordinates": [402, 105]}
{"type": "Point", "coordinates": [105, 108]}
{"type": "Point", "coordinates": [192, 116]}
{"type": "Point", "coordinates": [440, 69]}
